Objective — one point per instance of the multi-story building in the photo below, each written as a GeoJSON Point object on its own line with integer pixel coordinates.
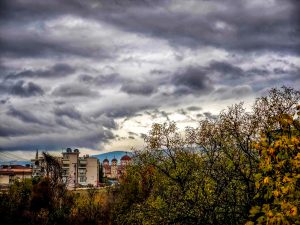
{"type": "Point", "coordinates": [79, 170]}
{"type": "Point", "coordinates": [70, 167]}
{"type": "Point", "coordinates": [113, 170]}
{"type": "Point", "coordinates": [76, 170]}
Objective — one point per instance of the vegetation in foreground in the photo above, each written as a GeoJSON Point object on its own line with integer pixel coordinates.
{"type": "Point", "coordinates": [241, 168]}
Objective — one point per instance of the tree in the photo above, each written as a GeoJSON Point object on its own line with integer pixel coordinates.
{"type": "Point", "coordinates": [14, 204]}
{"type": "Point", "coordinates": [50, 201]}
{"type": "Point", "coordinates": [205, 176]}
{"type": "Point", "coordinates": [278, 178]}
{"type": "Point", "coordinates": [101, 174]}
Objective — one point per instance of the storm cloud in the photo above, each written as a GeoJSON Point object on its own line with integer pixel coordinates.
{"type": "Point", "coordinates": [138, 88]}
{"type": "Point", "coordinates": [58, 70]}
{"type": "Point", "coordinates": [85, 73]}
{"type": "Point", "coordinates": [21, 88]}
{"type": "Point", "coordinates": [192, 81]}
{"type": "Point", "coordinates": [74, 90]}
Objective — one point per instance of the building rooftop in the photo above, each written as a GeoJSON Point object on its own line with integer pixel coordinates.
{"type": "Point", "coordinates": [126, 157]}
{"type": "Point", "coordinates": [13, 169]}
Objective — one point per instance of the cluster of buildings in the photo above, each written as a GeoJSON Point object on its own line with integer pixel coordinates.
{"type": "Point", "coordinates": [77, 171]}
{"type": "Point", "coordinates": [113, 170]}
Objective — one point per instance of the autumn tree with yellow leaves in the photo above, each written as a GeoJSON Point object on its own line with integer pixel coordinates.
{"type": "Point", "coordinates": [278, 178]}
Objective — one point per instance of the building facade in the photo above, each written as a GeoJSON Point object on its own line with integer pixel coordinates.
{"type": "Point", "coordinates": [115, 170]}
{"type": "Point", "coordinates": [79, 171]}
{"type": "Point", "coordinates": [11, 173]}
{"type": "Point", "coordinates": [76, 171]}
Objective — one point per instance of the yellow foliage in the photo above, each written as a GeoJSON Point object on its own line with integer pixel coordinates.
{"type": "Point", "coordinates": [276, 193]}
{"type": "Point", "coordinates": [287, 179]}
{"type": "Point", "coordinates": [277, 180]}
{"type": "Point", "coordinates": [266, 180]}
{"type": "Point", "coordinates": [294, 211]}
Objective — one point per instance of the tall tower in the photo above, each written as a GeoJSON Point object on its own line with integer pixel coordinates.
{"type": "Point", "coordinates": [114, 168]}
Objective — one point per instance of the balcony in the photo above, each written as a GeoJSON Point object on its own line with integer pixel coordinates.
{"type": "Point", "coordinates": [82, 164]}
{"type": "Point", "coordinates": [65, 165]}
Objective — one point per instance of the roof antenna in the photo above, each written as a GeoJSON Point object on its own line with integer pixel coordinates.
{"type": "Point", "coordinates": [37, 154]}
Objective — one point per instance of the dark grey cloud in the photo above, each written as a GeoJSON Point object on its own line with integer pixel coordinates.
{"type": "Point", "coordinates": [89, 139]}
{"type": "Point", "coordinates": [138, 88]}
{"type": "Point", "coordinates": [226, 69]}
{"type": "Point", "coordinates": [68, 111]}
{"type": "Point", "coordinates": [4, 101]}
{"type": "Point", "coordinates": [107, 122]}
{"type": "Point", "coordinates": [12, 128]}
{"type": "Point", "coordinates": [7, 131]}
{"type": "Point", "coordinates": [72, 113]}
{"type": "Point", "coordinates": [74, 90]}
{"type": "Point", "coordinates": [193, 80]}
{"type": "Point", "coordinates": [21, 88]}
{"type": "Point", "coordinates": [156, 113]}
{"type": "Point", "coordinates": [25, 116]}
{"type": "Point", "coordinates": [123, 109]}
{"type": "Point", "coordinates": [182, 112]}
{"type": "Point", "coordinates": [194, 108]}
{"type": "Point", "coordinates": [146, 49]}
{"type": "Point", "coordinates": [24, 44]}
{"type": "Point", "coordinates": [56, 71]}
{"type": "Point", "coordinates": [293, 73]}
{"type": "Point", "coordinates": [275, 28]}
{"type": "Point", "coordinates": [209, 115]}
{"type": "Point", "coordinates": [56, 129]}
{"type": "Point", "coordinates": [129, 86]}
{"type": "Point", "coordinates": [143, 136]}
{"type": "Point", "coordinates": [236, 92]}
{"type": "Point", "coordinates": [132, 133]}
{"type": "Point", "coordinates": [120, 112]}
{"type": "Point", "coordinates": [258, 71]}
{"type": "Point", "coordinates": [102, 80]}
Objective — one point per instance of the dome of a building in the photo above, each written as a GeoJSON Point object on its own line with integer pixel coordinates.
{"type": "Point", "coordinates": [105, 160]}
{"type": "Point", "coordinates": [126, 157]}
{"type": "Point", "coordinates": [114, 160]}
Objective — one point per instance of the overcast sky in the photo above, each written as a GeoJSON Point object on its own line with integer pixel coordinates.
{"type": "Point", "coordinates": [95, 74]}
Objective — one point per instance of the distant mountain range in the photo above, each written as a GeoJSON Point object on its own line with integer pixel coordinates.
{"type": "Point", "coordinates": [14, 162]}
{"type": "Point", "coordinates": [108, 155]}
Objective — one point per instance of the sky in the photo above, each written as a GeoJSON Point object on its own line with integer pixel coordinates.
{"type": "Point", "coordinates": [96, 74]}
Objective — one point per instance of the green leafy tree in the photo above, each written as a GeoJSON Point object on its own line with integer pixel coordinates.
{"type": "Point", "coordinates": [205, 176]}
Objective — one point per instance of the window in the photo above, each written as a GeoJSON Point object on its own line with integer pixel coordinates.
{"type": "Point", "coordinates": [82, 179]}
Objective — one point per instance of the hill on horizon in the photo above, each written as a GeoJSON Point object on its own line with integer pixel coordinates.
{"type": "Point", "coordinates": [110, 155]}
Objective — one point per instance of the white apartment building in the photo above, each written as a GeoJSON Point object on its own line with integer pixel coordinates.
{"type": "Point", "coordinates": [79, 171]}
{"type": "Point", "coordinates": [76, 171]}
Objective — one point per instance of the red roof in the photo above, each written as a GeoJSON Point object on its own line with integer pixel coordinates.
{"type": "Point", "coordinates": [15, 169]}
{"type": "Point", "coordinates": [126, 157]}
